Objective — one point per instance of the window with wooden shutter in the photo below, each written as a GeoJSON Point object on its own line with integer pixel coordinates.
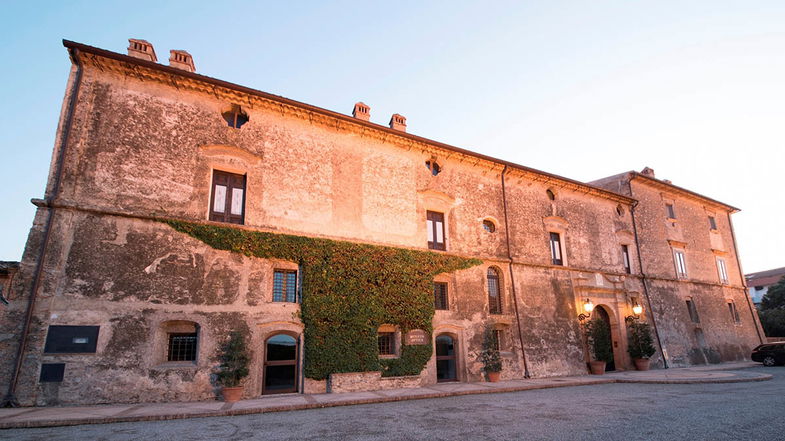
{"type": "Point", "coordinates": [435, 225]}
{"type": "Point", "coordinates": [227, 199]}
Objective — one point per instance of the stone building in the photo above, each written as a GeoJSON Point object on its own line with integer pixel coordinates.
{"type": "Point", "coordinates": [760, 282]}
{"type": "Point", "coordinates": [113, 304]}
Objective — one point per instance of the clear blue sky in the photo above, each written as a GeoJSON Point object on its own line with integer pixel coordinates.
{"type": "Point", "coordinates": [695, 90]}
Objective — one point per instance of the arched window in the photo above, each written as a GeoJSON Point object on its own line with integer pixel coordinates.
{"type": "Point", "coordinates": [494, 292]}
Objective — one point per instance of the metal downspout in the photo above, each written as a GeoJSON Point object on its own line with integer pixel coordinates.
{"type": "Point", "coordinates": [755, 319]}
{"type": "Point", "coordinates": [512, 275]}
{"type": "Point", "coordinates": [10, 399]}
{"type": "Point", "coordinates": [643, 276]}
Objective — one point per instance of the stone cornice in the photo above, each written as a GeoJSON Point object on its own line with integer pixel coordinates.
{"type": "Point", "coordinates": [180, 79]}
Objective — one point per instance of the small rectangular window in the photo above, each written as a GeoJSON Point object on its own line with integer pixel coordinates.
{"type": "Point", "coordinates": [386, 343]}
{"type": "Point", "coordinates": [693, 312]}
{"type": "Point", "coordinates": [228, 198]}
{"type": "Point", "coordinates": [435, 225]}
{"type": "Point", "coordinates": [440, 296]}
{"type": "Point", "coordinates": [556, 255]}
{"type": "Point", "coordinates": [681, 264]}
{"type": "Point", "coordinates": [670, 211]}
{"type": "Point", "coordinates": [182, 347]}
{"type": "Point", "coordinates": [712, 223]}
{"type": "Point", "coordinates": [285, 286]}
{"type": "Point", "coordinates": [722, 270]}
{"type": "Point", "coordinates": [71, 340]}
{"type": "Point", "coordinates": [52, 373]}
{"type": "Point", "coordinates": [625, 253]}
{"type": "Point", "coordinates": [734, 313]}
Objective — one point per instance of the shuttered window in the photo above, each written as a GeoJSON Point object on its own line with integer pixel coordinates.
{"type": "Point", "coordinates": [285, 286]}
{"type": "Point", "coordinates": [435, 226]}
{"type": "Point", "coordinates": [227, 199]}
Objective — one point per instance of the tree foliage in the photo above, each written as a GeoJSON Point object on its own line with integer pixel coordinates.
{"type": "Point", "coordinates": [641, 343]}
{"type": "Point", "coordinates": [599, 333]}
{"type": "Point", "coordinates": [348, 291]}
{"type": "Point", "coordinates": [775, 296]}
{"type": "Point", "coordinates": [234, 360]}
{"type": "Point", "coordinates": [490, 356]}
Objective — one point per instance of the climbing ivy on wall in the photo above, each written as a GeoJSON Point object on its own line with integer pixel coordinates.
{"type": "Point", "coordinates": [348, 291]}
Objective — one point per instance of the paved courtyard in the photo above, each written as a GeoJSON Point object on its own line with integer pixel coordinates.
{"type": "Point", "coordinates": [734, 411]}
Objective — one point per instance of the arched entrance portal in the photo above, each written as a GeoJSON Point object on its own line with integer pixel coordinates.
{"type": "Point", "coordinates": [445, 359]}
{"type": "Point", "coordinates": [602, 314]}
{"type": "Point", "coordinates": [280, 364]}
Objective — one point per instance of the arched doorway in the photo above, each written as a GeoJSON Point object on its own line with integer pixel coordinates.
{"type": "Point", "coordinates": [280, 364]}
{"type": "Point", "coordinates": [446, 366]}
{"type": "Point", "coordinates": [602, 314]}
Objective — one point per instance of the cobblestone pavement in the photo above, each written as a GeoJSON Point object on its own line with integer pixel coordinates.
{"type": "Point", "coordinates": [730, 411]}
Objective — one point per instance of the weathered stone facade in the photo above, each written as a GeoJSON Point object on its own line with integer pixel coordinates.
{"type": "Point", "coordinates": [138, 141]}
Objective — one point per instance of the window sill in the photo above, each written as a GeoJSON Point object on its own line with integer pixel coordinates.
{"type": "Point", "coordinates": [389, 356]}
{"type": "Point", "coordinates": [176, 365]}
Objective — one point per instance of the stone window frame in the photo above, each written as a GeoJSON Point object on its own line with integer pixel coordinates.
{"type": "Point", "coordinates": [446, 302]}
{"type": "Point", "coordinates": [279, 270]}
{"type": "Point", "coordinates": [499, 275]}
{"type": "Point", "coordinates": [734, 311]}
{"type": "Point", "coordinates": [722, 270]}
{"type": "Point", "coordinates": [396, 339]}
{"type": "Point", "coordinates": [692, 310]}
{"type": "Point", "coordinates": [557, 225]}
{"type": "Point", "coordinates": [163, 330]}
{"type": "Point", "coordinates": [211, 215]}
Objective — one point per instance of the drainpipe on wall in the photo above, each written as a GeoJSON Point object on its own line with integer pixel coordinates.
{"type": "Point", "coordinates": [643, 275]}
{"type": "Point", "coordinates": [10, 399]}
{"type": "Point", "coordinates": [755, 318]}
{"type": "Point", "coordinates": [512, 275]}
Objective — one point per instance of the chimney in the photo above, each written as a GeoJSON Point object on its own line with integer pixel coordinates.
{"type": "Point", "coordinates": [667, 181]}
{"type": "Point", "coordinates": [398, 122]}
{"type": "Point", "coordinates": [141, 49]}
{"type": "Point", "coordinates": [648, 172]}
{"type": "Point", "coordinates": [181, 60]}
{"type": "Point", "coordinates": [362, 111]}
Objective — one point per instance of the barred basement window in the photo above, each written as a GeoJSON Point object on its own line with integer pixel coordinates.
{"type": "Point", "coordinates": [182, 347]}
{"type": "Point", "coordinates": [386, 343]}
{"type": "Point", "coordinates": [285, 286]}
{"type": "Point", "coordinates": [440, 296]}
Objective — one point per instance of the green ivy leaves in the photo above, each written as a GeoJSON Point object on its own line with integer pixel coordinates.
{"type": "Point", "coordinates": [348, 291]}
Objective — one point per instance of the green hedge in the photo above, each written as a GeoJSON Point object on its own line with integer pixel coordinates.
{"type": "Point", "coordinates": [348, 291]}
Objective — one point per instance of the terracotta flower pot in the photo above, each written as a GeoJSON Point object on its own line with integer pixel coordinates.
{"type": "Point", "coordinates": [232, 394]}
{"type": "Point", "coordinates": [641, 364]}
{"type": "Point", "coordinates": [597, 367]}
{"type": "Point", "coordinates": [493, 377]}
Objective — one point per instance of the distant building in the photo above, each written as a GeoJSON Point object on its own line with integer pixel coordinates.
{"type": "Point", "coordinates": [115, 303]}
{"type": "Point", "coordinates": [759, 283]}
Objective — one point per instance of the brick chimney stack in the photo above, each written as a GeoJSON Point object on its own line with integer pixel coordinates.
{"type": "Point", "coordinates": [362, 111]}
{"type": "Point", "coordinates": [181, 60]}
{"type": "Point", "coordinates": [141, 49]}
{"type": "Point", "coordinates": [648, 172]}
{"type": "Point", "coordinates": [398, 122]}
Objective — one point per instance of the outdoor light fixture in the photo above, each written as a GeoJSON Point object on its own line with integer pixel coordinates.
{"type": "Point", "coordinates": [637, 309]}
{"type": "Point", "coordinates": [588, 306]}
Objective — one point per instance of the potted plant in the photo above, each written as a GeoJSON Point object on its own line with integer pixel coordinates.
{"type": "Point", "coordinates": [599, 338]}
{"type": "Point", "coordinates": [490, 356]}
{"type": "Point", "coordinates": [641, 345]}
{"type": "Point", "coordinates": [233, 368]}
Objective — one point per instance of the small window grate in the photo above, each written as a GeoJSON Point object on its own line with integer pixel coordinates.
{"type": "Point", "coordinates": [285, 286]}
{"type": "Point", "coordinates": [386, 343]}
{"type": "Point", "coordinates": [440, 296]}
{"type": "Point", "coordinates": [182, 347]}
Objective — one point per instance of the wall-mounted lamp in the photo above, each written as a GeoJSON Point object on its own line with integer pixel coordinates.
{"type": "Point", "coordinates": [637, 310]}
{"type": "Point", "coordinates": [588, 306]}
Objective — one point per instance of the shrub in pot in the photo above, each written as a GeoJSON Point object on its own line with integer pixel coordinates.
{"type": "Point", "coordinates": [641, 345]}
{"type": "Point", "coordinates": [598, 332]}
{"type": "Point", "coordinates": [490, 356]}
{"type": "Point", "coordinates": [234, 367]}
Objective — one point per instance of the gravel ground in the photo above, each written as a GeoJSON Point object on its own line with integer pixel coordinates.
{"type": "Point", "coordinates": [736, 411]}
